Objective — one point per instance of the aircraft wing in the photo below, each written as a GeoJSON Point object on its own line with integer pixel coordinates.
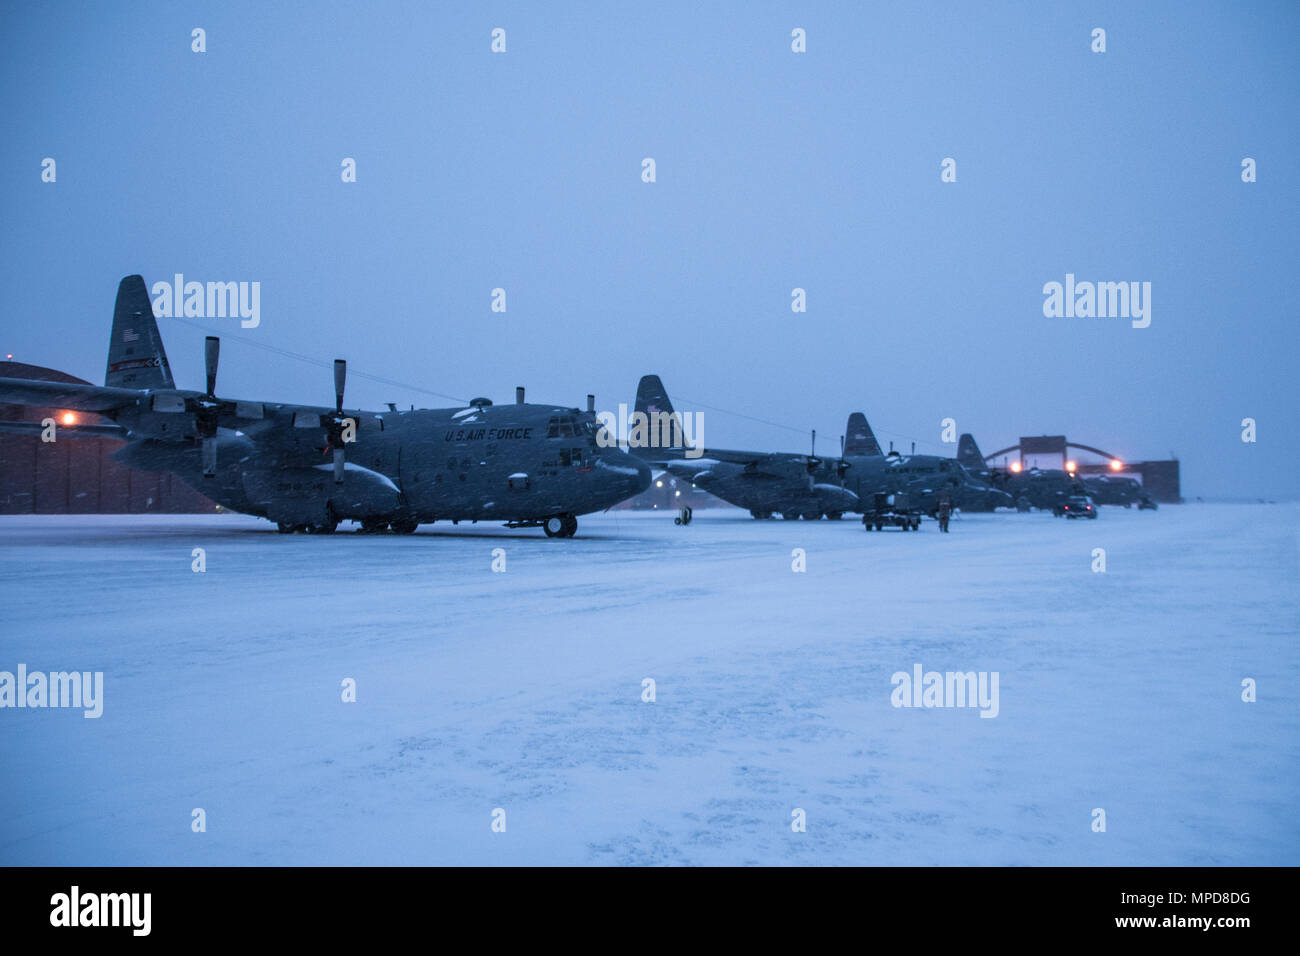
{"type": "Point", "coordinates": [260, 418]}
{"type": "Point", "coordinates": [755, 464]}
{"type": "Point", "coordinates": [762, 460]}
{"type": "Point", "coordinates": [81, 398]}
{"type": "Point", "coordinates": [65, 431]}
{"type": "Point", "coordinates": [686, 468]}
{"type": "Point", "coordinates": [264, 419]}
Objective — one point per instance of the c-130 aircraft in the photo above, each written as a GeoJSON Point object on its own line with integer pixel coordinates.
{"type": "Point", "coordinates": [309, 467]}
{"type": "Point", "coordinates": [807, 486]}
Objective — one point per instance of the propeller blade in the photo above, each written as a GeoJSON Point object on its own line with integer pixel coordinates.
{"type": "Point", "coordinates": [211, 352]}
{"type": "Point", "coordinates": [340, 377]}
{"type": "Point", "coordinates": [339, 466]}
{"type": "Point", "coordinates": [209, 457]}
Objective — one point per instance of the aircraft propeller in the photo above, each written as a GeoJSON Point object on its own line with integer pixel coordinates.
{"type": "Point", "coordinates": [812, 462]}
{"type": "Point", "coordinates": [334, 424]}
{"type": "Point", "coordinates": [209, 408]}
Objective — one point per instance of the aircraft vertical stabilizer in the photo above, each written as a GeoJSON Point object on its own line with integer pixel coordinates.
{"type": "Point", "coordinates": [859, 441]}
{"type": "Point", "coordinates": [651, 397]}
{"type": "Point", "coordinates": [968, 453]}
{"type": "Point", "coordinates": [664, 436]}
{"type": "Point", "coordinates": [136, 358]}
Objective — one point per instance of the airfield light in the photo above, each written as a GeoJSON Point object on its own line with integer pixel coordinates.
{"type": "Point", "coordinates": [1015, 466]}
{"type": "Point", "coordinates": [677, 493]}
{"type": "Point", "coordinates": [1116, 464]}
{"type": "Point", "coordinates": [659, 483]}
{"type": "Point", "coordinates": [1071, 466]}
{"type": "Point", "coordinates": [68, 418]}
{"type": "Point", "coordinates": [9, 356]}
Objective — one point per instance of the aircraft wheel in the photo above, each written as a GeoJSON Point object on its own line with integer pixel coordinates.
{"type": "Point", "coordinates": [404, 526]}
{"type": "Point", "coordinates": [329, 527]}
{"type": "Point", "coordinates": [570, 526]}
{"type": "Point", "coordinates": [553, 526]}
{"type": "Point", "coordinates": [834, 515]}
{"type": "Point", "coordinates": [789, 516]}
{"type": "Point", "coordinates": [374, 526]}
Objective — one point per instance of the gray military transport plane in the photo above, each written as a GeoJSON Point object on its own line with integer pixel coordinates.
{"type": "Point", "coordinates": [925, 478]}
{"type": "Point", "coordinates": [308, 467]}
{"type": "Point", "coordinates": [806, 486]}
{"type": "Point", "coordinates": [794, 485]}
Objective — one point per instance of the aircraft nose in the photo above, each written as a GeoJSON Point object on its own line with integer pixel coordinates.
{"type": "Point", "coordinates": [623, 474]}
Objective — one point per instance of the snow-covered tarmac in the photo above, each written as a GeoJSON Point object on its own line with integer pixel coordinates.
{"type": "Point", "coordinates": [522, 690]}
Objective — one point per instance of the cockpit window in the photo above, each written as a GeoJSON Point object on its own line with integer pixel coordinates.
{"type": "Point", "coordinates": [560, 426]}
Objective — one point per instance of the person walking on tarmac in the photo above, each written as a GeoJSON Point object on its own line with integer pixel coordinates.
{"type": "Point", "coordinates": [945, 512]}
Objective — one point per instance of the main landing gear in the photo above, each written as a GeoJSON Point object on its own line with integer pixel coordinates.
{"type": "Point", "coordinates": [560, 526]}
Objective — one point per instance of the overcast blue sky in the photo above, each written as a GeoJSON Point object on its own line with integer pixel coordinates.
{"type": "Point", "coordinates": [775, 170]}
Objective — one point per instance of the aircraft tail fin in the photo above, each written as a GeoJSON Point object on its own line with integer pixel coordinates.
{"type": "Point", "coordinates": [859, 440]}
{"type": "Point", "coordinates": [968, 453]}
{"type": "Point", "coordinates": [651, 397]}
{"type": "Point", "coordinates": [136, 358]}
{"type": "Point", "coordinates": [661, 437]}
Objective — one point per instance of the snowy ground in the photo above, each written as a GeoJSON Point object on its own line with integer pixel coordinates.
{"type": "Point", "coordinates": [522, 690]}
